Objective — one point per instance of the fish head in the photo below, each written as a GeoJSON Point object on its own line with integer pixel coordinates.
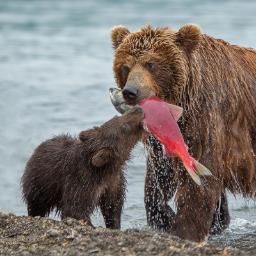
{"type": "Point", "coordinates": [118, 101]}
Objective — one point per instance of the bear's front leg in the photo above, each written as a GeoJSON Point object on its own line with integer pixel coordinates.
{"type": "Point", "coordinates": [195, 208]}
{"type": "Point", "coordinates": [159, 213]}
{"type": "Point", "coordinates": [111, 204]}
{"type": "Point", "coordinates": [221, 218]}
{"type": "Point", "coordinates": [159, 187]}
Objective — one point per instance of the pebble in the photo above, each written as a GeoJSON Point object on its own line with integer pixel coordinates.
{"type": "Point", "coordinates": [69, 222]}
{"type": "Point", "coordinates": [3, 220]}
{"type": "Point", "coordinates": [156, 236]}
{"type": "Point", "coordinates": [53, 252]}
{"type": "Point", "coordinates": [25, 253]}
{"type": "Point", "coordinates": [33, 248]}
{"type": "Point", "coordinates": [25, 233]}
{"type": "Point", "coordinates": [3, 215]}
{"type": "Point", "coordinates": [52, 232]}
{"type": "Point", "coordinates": [93, 250]}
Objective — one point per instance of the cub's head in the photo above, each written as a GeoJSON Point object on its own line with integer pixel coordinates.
{"type": "Point", "coordinates": [114, 140]}
{"type": "Point", "coordinates": [153, 62]}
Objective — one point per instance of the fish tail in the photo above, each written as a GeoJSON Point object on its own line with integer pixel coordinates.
{"type": "Point", "coordinates": [201, 169]}
{"type": "Point", "coordinates": [197, 169]}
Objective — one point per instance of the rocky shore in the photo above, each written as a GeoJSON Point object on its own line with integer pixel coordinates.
{"type": "Point", "coordinates": [22, 235]}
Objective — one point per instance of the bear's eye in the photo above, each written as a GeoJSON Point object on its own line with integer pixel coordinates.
{"type": "Point", "coordinates": [126, 69]}
{"type": "Point", "coordinates": [151, 66]}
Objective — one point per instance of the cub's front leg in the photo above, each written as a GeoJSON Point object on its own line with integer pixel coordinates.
{"type": "Point", "coordinates": [111, 204]}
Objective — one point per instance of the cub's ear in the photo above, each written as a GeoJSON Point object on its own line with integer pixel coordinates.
{"type": "Point", "coordinates": [102, 157]}
{"type": "Point", "coordinates": [189, 37]}
{"type": "Point", "coordinates": [118, 34]}
{"type": "Point", "coordinates": [88, 134]}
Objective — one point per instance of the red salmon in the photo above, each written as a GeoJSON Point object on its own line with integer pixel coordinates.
{"type": "Point", "coordinates": [160, 119]}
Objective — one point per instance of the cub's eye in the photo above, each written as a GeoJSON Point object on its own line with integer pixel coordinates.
{"type": "Point", "coordinates": [151, 66]}
{"type": "Point", "coordinates": [126, 69]}
{"type": "Point", "coordinates": [125, 128]}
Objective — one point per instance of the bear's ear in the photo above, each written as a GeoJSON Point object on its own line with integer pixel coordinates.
{"type": "Point", "coordinates": [88, 134]}
{"type": "Point", "coordinates": [102, 157]}
{"type": "Point", "coordinates": [118, 34]}
{"type": "Point", "coordinates": [189, 37]}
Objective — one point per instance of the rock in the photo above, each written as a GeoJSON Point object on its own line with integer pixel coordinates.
{"type": "Point", "coordinates": [156, 236]}
{"type": "Point", "coordinates": [25, 233]}
{"type": "Point", "coordinates": [25, 252]}
{"type": "Point", "coordinates": [93, 250]}
{"type": "Point", "coordinates": [53, 252]}
{"type": "Point", "coordinates": [72, 235]}
{"type": "Point", "coordinates": [3, 215]}
{"type": "Point", "coordinates": [52, 232]}
{"type": "Point", "coordinates": [3, 220]}
{"type": "Point", "coordinates": [69, 222]}
{"type": "Point", "coordinates": [33, 248]}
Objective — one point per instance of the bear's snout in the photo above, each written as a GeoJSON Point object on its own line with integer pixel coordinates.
{"type": "Point", "coordinates": [131, 93]}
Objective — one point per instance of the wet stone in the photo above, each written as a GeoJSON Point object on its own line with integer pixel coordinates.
{"type": "Point", "coordinates": [156, 236]}
{"type": "Point", "coordinates": [3, 215]}
{"type": "Point", "coordinates": [69, 222]}
{"type": "Point", "coordinates": [3, 220]}
{"type": "Point", "coordinates": [93, 250]}
{"type": "Point", "coordinates": [52, 252]}
{"type": "Point", "coordinates": [52, 232]}
{"type": "Point", "coordinates": [25, 253]}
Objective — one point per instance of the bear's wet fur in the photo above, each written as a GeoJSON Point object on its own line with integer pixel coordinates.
{"type": "Point", "coordinates": [76, 175]}
{"type": "Point", "coordinates": [215, 83]}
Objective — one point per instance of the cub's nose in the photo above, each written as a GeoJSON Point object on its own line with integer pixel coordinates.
{"type": "Point", "coordinates": [137, 109]}
{"type": "Point", "coordinates": [130, 93]}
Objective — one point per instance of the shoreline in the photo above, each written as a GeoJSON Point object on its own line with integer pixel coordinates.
{"type": "Point", "coordinates": [23, 235]}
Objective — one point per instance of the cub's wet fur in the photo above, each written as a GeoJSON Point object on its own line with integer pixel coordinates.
{"type": "Point", "coordinates": [76, 175]}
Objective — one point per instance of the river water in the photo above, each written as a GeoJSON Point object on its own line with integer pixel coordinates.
{"type": "Point", "coordinates": [56, 67]}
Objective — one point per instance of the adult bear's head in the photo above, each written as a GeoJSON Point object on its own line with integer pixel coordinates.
{"type": "Point", "coordinates": [154, 62]}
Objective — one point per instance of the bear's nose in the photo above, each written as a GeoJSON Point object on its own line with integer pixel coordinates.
{"type": "Point", "coordinates": [130, 93]}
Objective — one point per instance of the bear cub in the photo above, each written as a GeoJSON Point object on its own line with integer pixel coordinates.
{"type": "Point", "coordinates": [76, 175]}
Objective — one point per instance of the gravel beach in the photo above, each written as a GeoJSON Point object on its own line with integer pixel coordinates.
{"type": "Point", "coordinates": [22, 235]}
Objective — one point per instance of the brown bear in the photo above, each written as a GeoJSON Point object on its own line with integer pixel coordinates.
{"type": "Point", "coordinates": [215, 83]}
{"type": "Point", "coordinates": [76, 175]}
